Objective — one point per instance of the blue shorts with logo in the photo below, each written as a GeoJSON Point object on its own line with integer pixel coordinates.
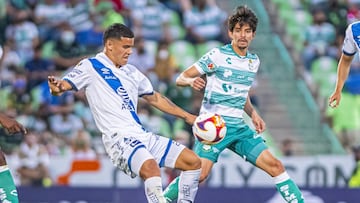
{"type": "Point", "coordinates": [242, 140]}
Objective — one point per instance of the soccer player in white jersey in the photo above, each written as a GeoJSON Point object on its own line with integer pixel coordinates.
{"type": "Point", "coordinates": [351, 45]}
{"type": "Point", "coordinates": [112, 89]}
{"type": "Point", "coordinates": [230, 72]}
{"type": "Point", "coordinates": [8, 192]}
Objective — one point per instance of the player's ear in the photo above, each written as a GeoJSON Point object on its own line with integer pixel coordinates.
{"type": "Point", "coordinates": [230, 34]}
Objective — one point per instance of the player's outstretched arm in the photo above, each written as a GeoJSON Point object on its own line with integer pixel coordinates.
{"type": "Point", "coordinates": [11, 125]}
{"type": "Point", "coordinates": [342, 74]}
{"type": "Point", "coordinates": [164, 104]}
{"type": "Point", "coordinates": [57, 87]}
{"type": "Point", "coordinates": [190, 77]}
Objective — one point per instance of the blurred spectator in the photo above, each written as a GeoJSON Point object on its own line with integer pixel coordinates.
{"type": "Point", "coordinates": [9, 64]}
{"type": "Point", "coordinates": [81, 146]}
{"type": "Point", "coordinates": [354, 181]}
{"type": "Point", "coordinates": [22, 36]}
{"type": "Point", "coordinates": [107, 15]}
{"type": "Point", "coordinates": [140, 58]}
{"type": "Point", "coordinates": [319, 39]}
{"type": "Point", "coordinates": [64, 124]}
{"type": "Point", "coordinates": [82, 21]}
{"type": "Point", "coordinates": [204, 21]}
{"type": "Point", "coordinates": [82, 110]}
{"type": "Point", "coordinates": [34, 162]}
{"type": "Point", "coordinates": [336, 13]}
{"type": "Point", "coordinates": [287, 147]}
{"type": "Point", "coordinates": [49, 15]}
{"type": "Point", "coordinates": [165, 64]}
{"type": "Point", "coordinates": [37, 69]}
{"type": "Point", "coordinates": [152, 21]}
{"type": "Point", "coordinates": [67, 51]}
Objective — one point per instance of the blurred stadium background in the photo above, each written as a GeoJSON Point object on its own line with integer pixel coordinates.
{"type": "Point", "coordinates": [298, 42]}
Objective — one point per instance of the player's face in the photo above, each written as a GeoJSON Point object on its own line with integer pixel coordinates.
{"type": "Point", "coordinates": [241, 36]}
{"type": "Point", "coordinates": [119, 50]}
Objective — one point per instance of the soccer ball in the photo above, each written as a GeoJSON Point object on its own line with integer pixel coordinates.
{"type": "Point", "coordinates": [209, 128]}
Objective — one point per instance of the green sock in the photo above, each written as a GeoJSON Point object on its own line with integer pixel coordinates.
{"type": "Point", "coordinates": [290, 191]}
{"type": "Point", "coordinates": [8, 192]}
{"type": "Point", "coordinates": [172, 190]}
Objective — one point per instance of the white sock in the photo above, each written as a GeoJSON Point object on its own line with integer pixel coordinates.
{"type": "Point", "coordinates": [153, 190]}
{"type": "Point", "coordinates": [188, 185]}
{"type": "Point", "coordinates": [281, 178]}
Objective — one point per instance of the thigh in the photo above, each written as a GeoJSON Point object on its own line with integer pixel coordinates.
{"type": "Point", "coordinates": [121, 150]}
{"type": "Point", "coordinates": [249, 145]}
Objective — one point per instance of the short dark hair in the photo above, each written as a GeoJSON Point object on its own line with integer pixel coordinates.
{"type": "Point", "coordinates": [117, 31]}
{"type": "Point", "coordinates": [243, 15]}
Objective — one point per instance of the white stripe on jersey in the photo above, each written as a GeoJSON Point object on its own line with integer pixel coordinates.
{"type": "Point", "coordinates": [229, 78]}
{"type": "Point", "coordinates": [110, 113]}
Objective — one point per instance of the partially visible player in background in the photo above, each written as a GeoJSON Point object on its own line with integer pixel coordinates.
{"type": "Point", "coordinates": [8, 192]}
{"type": "Point", "coordinates": [230, 72]}
{"type": "Point", "coordinates": [350, 48]}
{"type": "Point", "coordinates": [113, 87]}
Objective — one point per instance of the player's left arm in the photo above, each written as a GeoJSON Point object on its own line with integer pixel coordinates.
{"type": "Point", "coordinates": [164, 104]}
{"type": "Point", "coordinates": [258, 122]}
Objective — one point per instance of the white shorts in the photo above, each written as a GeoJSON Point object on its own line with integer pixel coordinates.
{"type": "Point", "coordinates": [129, 152]}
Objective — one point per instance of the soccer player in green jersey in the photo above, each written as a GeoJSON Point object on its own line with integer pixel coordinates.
{"type": "Point", "coordinates": [8, 192]}
{"type": "Point", "coordinates": [230, 72]}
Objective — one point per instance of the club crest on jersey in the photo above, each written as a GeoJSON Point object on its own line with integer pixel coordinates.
{"type": "Point", "coordinates": [251, 65]}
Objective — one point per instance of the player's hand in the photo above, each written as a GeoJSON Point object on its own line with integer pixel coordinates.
{"type": "Point", "coordinates": [12, 126]}
{"type": "Point", "coordinates": [190, 119]}
{"type": "Point", "coordinates": [334, 99]}
{"type": "Point", "coordinates": [198, 83]}
{"type": "Point", "coordinates": [258, 122]}
{"type": "Point", "coordinates": [55, 85]}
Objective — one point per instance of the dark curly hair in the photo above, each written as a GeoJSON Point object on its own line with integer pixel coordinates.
{"type": "Point", "coordinates": [243, 15]}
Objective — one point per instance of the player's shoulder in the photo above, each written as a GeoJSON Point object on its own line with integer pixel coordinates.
{"type": "Point", "coordinates": [252, 56]}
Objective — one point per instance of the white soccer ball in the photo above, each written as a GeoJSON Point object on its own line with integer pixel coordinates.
{"type": "Point", "coordinates": [209, 128]}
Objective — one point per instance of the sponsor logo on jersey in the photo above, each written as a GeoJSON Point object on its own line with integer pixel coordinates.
{"type": "Point", "coordinates": [110, 77]}
{"type": "Point", "coordinates": [227, 73]}
{"type": "Point", "coordinates": [210, 66]}
{"type": "Point", "coordinates": [105, 71]}
{"type": "Point", "coordinates": [228, 60]}
{"type": "Point", "coordinates": [206, 147]}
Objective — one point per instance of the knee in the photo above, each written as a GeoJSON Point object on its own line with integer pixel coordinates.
{"type": "Point", "coordinates": [194, 162]}
{"type": "Point", "coordinates": [149, 169]}
{"type": "Point", "coordinates": [277, 168]}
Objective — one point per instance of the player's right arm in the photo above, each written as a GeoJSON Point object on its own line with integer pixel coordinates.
{"type": "Point", "coordinates": [342, 74]}
{"type": "Point", "coordinates": [11, 125]}
{"type": "Point", "coordinates": [57, 86]}
{"type": "Point", "coordinates": [191, 77]}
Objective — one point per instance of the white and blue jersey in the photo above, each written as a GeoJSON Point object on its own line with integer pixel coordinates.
{"type": "Point", "coordinates": [111, 112]}
{"type": "Point", "coordinates": [229, 79]}
{"type": "Point", "coordinates": [113, 95]}
{"type": "Point", "coordinates": [351, 43]}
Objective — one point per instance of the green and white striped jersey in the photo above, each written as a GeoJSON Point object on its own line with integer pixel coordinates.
{"type": "Point", "coordinates": [229, 78]}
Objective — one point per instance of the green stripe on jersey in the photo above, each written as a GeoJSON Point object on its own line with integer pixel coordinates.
{"type": "Point", "coordinates": [227, 100]}
{"type": "Point", "coordinates": [237, 76]}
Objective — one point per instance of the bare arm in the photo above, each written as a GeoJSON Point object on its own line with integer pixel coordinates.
{"type": "Point", "coordinates": [342, 74]}
{"type": "Point", "coordinates": [11, 125]}
{"type": "Point", "coordinates": [57, 87]}
{"type": "Point", "coordinates": [191, 77]}
{"type": "Point", "coordinates": [258, 122]}
{"type": "Point", "coordinates": [164, 104]}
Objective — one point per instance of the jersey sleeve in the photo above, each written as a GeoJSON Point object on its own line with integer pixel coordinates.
{"type": "Point", "coordinates": [145, 86]}
{"type": "Point", "coordinates": [349, 45]}
{"type": "Point", "coordinates": [79, 76]}
{"type": "Point", "coordinates": [206, 64]}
